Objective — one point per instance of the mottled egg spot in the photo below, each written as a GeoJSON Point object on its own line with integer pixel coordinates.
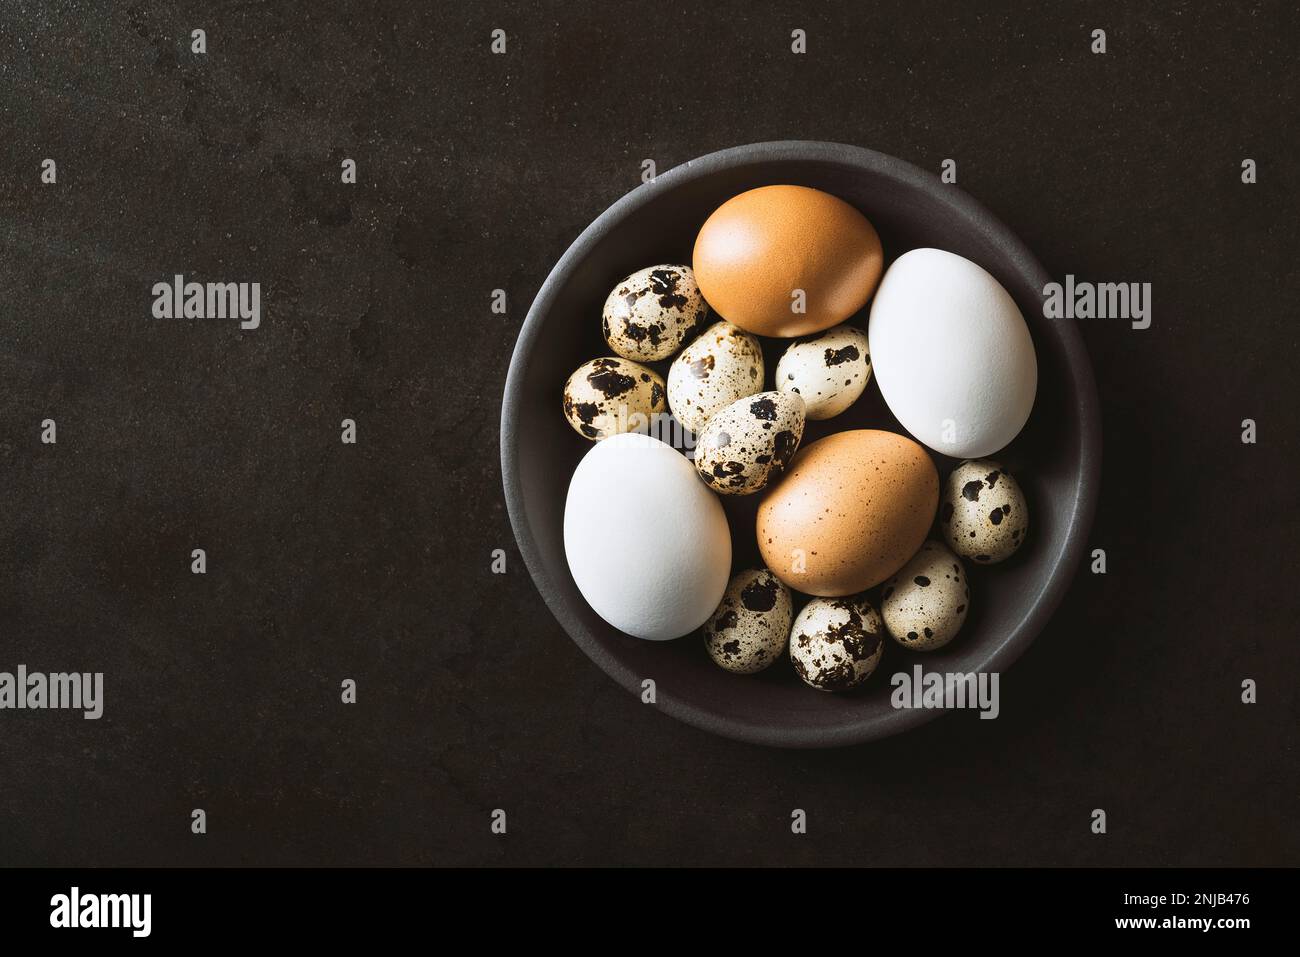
{"type": "Point", "coordinates": [611, 384]}
{"type": "Point", "coordinates": [836, 357]}
{"type": "Point", "coordinates": [759, 595]}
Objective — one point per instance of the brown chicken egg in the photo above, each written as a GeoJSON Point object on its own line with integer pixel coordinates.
{"type": "Point", "coordinates": [787, 261]}
{"type": "Point", "coordinates": [850, 511]}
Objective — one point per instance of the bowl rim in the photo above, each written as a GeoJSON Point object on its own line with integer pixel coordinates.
{"type": "Point", "coordinates": [1080, 514]}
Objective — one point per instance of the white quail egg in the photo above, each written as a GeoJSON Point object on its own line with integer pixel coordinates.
{"type": "Point", "coordinates": [830, 370]}
{"type": "Point", "coordinates": [610, 395]}
{"type": "Point", "coordinates": [750, 442]}
{"type": "Point", "coordinates": [749, 630]}
{"type": "Point", "coordinates": [722, 365]}
{"type": "Point", "coordinates": [836, 643]}
{"type": "Point", "coordinates": [651, 313]}
{"type": "Point", "coordinates": [982, 512]}
{"type": "Point", "coordinates": [924, 605]}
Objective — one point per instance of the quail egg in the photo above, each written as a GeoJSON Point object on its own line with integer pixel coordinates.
{"type": "Point", "coordinates": [722, 365]}
{"type": "Point", "coordinates": [749, 630]}
{"type": "Point", "coordinates": [750, 442]}
{"type": "Point", "coordinates": [610, 395]}
{"type": "Point", "coordinates": [836, 643]}
{"type": "Point", "coordinates": [924, 605]}
{"type": "Point", "coordinates": [650, 314]}
{"type": "Point", "coordinates": [830, 370]}
{"type": "Point", "coordinates": [982, 512]}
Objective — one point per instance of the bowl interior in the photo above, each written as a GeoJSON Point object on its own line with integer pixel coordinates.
{"type": "Point", "coordinates": [1054, 457]}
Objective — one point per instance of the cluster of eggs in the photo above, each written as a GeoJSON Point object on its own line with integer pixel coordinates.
{"type": "Point", "coordinates": [646, 537]}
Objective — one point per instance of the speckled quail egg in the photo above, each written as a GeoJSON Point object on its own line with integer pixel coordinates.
{"type": "Point", "coordinates": [749, 630]}
{"type": "Point", "coordinates": [982, 512]}
{"type": "Point", "coordinates": [830, 371]}
{"type": "Point", "coordinates": [651, 313]}
{"type": "Point", "coordinates": [836, 643]}
{"type": "Point", "coordinates": [749, 443]}
{"type": "Point", "coordinates": [610, 395]}
{"type": "Point", "coordinates": [924, 605]}
{"type": "Point", "coordinates": [722, 365]}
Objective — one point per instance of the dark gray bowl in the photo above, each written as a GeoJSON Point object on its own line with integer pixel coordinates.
{"type": "Point", "coordinates": [1057, 457]}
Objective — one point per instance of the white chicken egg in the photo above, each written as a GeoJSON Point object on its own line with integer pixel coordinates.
{"type": "Point", "coordinates": [647, 543]}
{"type": "Point", "coordinates": [952, 354]}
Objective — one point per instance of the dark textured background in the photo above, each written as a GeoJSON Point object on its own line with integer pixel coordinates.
{"type": "Point", "coordinates": [372, 561]}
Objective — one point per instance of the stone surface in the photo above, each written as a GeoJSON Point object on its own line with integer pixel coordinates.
{"type": "Point", "coordinates": [373, 561]}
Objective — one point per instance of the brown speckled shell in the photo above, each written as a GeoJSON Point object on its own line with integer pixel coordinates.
{"type": "Point", "coordinates": [830, 371]}
{"type": "Point", "coordinates": [750, 442]}
{"type": "Point", "coordinates": [850, 510]}
{"type": "Point", "coordinates": [925, 604]}
{"type": "Point", "coordinates": [749, 630]}
{"type": "Point", "coordinates": [836, 643]}
{"type": "Point", "coordinates": [610, 395]}
{"type": "Point", "coordinates": [651, 313]}
{"type": "Point", "coordinates": [722, 365]}
{"type": "Point", "coordinates": [983, 515]}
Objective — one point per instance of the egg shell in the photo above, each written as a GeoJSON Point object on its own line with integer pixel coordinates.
{"type": "Point", "coordinates": [952, 354]}
{"type": "Point", "coordinates": [850, 510]}
{"type": "Point", "coordinates": [760, 247]}
{"type": "Point", "coordinates": [722, 365]}
{"type": "Point", "coordinates": [750, 442]}
{"type": "Point", "coordinates": [924, 605]}
{"type": "Point", "coordinates": [647, 543]}
{"type": "Point", "coordinates": [611, 395]}
{"type": "Point", "coordinates": [982, 512]}
{"type": "Point", "coordinates": [830, 371]}
{"type": "Point", "coordinates": [651, 313]}
{"type": "Point", "coordinates": [748, 631]}
{"type": "Point", "coordinates": [836, 643]}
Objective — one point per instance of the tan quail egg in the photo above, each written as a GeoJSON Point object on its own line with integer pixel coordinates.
{"type": "Point", "coordinates": [982, 512]}
{"type": "Point", "coordinates": [749, 443]}
{"type": "Point", "coordinates": [610, 395]}
{"type": "Point", "coordinates": [749, 630]}
{"type": "Point", "coordinates": [830, 370]}
{"type": "Point", "coordinates": [722, 365]}
{"type": "Point", "coordinates": [924, 605]}
{"type": "Point", "coordinates": [836, 643]}
{"type": "Point", "coordinates": [650, 314]}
